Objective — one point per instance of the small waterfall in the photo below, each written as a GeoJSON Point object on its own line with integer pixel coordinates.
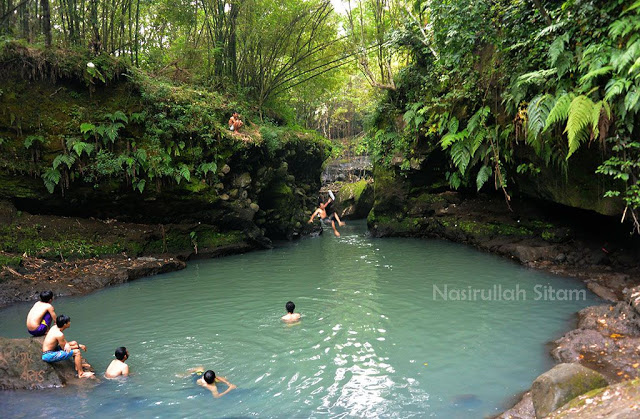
{"type": "Point", "coordinates": [347, 170]}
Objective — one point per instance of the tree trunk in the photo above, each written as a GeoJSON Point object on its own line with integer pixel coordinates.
{"type": "Point", "coordinates": [543, 11]}
{"type": "Point", "coordinates": [46, 22]}
{"type": "Point", "coordinates": [25, 21]}
{"type": "Point", "coordinates": [232, 56]}
{"type": "Point", "coordinates": [95, 32]}
{"type": "Point", "coordinates": [137, 30]}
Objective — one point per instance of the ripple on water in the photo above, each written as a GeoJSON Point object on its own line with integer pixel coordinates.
{"type": "Point", "coordinates": [373, 340]}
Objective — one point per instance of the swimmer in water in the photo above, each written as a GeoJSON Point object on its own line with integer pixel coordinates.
{"type": "Point", "coordinates": [291, 317]}
{"type": "Point", "coordinates": [118, 367]}
{"type": "Point", "coordinates": [208, 379]}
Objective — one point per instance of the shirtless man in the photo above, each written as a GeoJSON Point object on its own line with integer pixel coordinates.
{"type": "Point", "coordinates": [208, 379]}
{"type": "Point", "coordinates": [291, 316]}
{"type": "Point", "coordinates": [118, 367]}
{"type": "Point", "coordinates": [41, 315]}
{"type": "Point", "coordinates": [235, 122]}
{"type": "Point", "coordinates": [56, 348]}
{"type": "Point", "coordinates": [322, 212]}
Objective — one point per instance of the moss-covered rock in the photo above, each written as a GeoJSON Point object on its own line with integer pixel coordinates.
{"type": "Point", "coordinates": [355, 200]}
{"type": "Point", "coordinates": [580, 187]}
{"type": "Point", "coordinates": [619, 400]}
{"type": "Point", "coordinates": [562, 383]}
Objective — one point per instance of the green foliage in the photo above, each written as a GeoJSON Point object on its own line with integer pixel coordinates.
{"type": "Point", "coordinates": [32, 140]}
{"type": "Point", "coordinates": [560, 110]}
{"type": "Point", "coordinates": [94, 73]}
{"type": "Point", "coordinates": [270, 137]}
{"type": "Point", "coordinates": [538, 113]}
{"type": "Point", "coordinates": [67, 159]}
{"type": "Point", "coordinates": [483, 175]}
{"type": "Point", "coordinates": [624, 167]}
{"type": "Point", "coordinates": [9, 260]}
{"type": "Point", "coordinates": [51, 178]}
{"type": "Point", "coordinates": [560, 82]}
{"type": "Point", "coordinates": [579, 120]}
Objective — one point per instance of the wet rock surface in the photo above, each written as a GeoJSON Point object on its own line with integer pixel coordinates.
{"type": "Point", "coordinates": [347, 170]}
{"type": "Point", "coordinates": [22, 368]}
{"type": "Point", "coordinates": [620, 401]}
{"type": "Point", "coordinates": [561, 384]}
{"type": "Point", "coordinates": [522, 410]}
{"type": "Point", "coordinates": [607, 339]}
{"type": "Point", "coordinates": [354, 200]}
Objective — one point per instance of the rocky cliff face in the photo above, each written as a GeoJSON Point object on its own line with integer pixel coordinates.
{"type": "Point", "coordinates": [136, 150]}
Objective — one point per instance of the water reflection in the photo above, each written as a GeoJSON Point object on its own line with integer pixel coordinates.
{"type": "Point", "coordinates": [372, 341]}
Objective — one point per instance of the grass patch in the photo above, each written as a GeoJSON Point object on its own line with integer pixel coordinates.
{"type": "Point", "coordinates": [10, 260]}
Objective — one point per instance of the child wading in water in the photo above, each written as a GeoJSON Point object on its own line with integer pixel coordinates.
{"type": "Point", "coordinates": [328, 219]}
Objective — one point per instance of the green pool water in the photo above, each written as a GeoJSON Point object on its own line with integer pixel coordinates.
{"type": "Point", "coordinates": [385, 332]}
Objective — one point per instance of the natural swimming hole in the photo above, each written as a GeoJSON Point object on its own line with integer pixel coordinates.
{"type": "Point", "coordinates": [379, 337]}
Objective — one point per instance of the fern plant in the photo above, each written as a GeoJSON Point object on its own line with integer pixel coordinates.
{"type": "Point", "coordinates": [475, 145]}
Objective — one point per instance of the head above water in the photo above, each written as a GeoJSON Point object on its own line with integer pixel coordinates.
{"type": "Point", "coordinates": [46, 296]}
{"type": "Point", "coordinates": [290, 307]}
{"type": "Point", "coordinates": [62, 320]}
{"type": "Point", "coordinates": [121, 353]}
{"type": "Point", "coordinates": [209, 377]}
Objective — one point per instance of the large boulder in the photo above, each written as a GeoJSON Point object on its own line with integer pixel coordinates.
{"type": "Point", "coordinates": [22, 368]}
{"type": "Point", "coordinates": [562, 383]}
{"type": "Point", "coordinates": [618, 401]}
{"type": "Point", "coordinates": [355, 200]}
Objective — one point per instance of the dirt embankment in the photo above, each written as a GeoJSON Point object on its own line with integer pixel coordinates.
{"type": "Point", "coordinates": [77, 277]}
{"type": "Point", "coordinates": [75, 256]}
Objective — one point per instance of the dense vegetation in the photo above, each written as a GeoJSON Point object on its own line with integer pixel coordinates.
{"type": "Point", "coordinates": [513, 87]}
{"type": "Point", "coordinates": [501, 88]}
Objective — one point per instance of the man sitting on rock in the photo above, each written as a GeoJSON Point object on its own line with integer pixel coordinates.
{"type": "Point", "coordinates": [56, 348]}
{"type": "Point", "coordinates": [41, 315]}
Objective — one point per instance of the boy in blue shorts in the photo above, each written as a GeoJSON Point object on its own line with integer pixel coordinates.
{"type": "Point", "coordinates": [55, 347]}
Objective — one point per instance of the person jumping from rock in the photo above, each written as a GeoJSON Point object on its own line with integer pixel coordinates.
{"type": "Point", "coordinates": [322, 213]}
